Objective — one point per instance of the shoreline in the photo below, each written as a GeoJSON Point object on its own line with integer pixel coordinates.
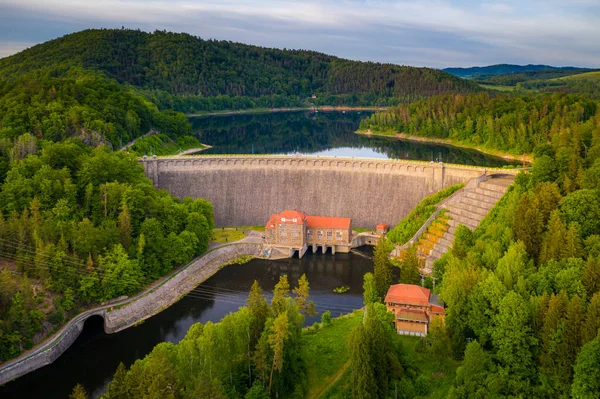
{"type": "Point", "coordinates": [323, 108]}
{"type": "Point", "coordinates": [497, 153]}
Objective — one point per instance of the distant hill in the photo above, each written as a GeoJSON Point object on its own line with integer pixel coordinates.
{"type": "Point", "coordinates": [184, 65]}
{"type": "Point", "coordinates": [501, 69]}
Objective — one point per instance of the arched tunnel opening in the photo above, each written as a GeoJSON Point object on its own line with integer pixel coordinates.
{"type": "Point", "coordinates": [92, 327]}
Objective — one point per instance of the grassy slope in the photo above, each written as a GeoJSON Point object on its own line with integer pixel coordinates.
{"type": "Point", "coordinates": [227, 235]}
{"type": "Point", "coordinates": [326, 353]}
{"type": "Point", "coordinates": [328, 368]}
{"type": "Point", "coordinates": [595, 76]}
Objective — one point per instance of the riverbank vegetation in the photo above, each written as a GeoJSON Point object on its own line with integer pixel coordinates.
{"type": "Point", "coordinates": [79, 226]}
{"type": "Point", "coordinates": [514, 124]}
{"type": "Point", "coordinates": [161, 144]}
{"type": "Point", "coordinates": [408, 227]}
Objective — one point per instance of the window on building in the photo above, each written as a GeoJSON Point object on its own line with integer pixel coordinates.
{"type": "Point", "coordinates": [295, 234]}
{"type": "Point", "coordinates": [309, 233]}
{"type": "Point", "coordinates": [338, 235]}
{"type": "Point", "coordinates": [283, 219]}
{"type": "Point", "coordinates": [281, 226]}
{"type": "Point", "coordinates": [283, 233]}
{"type": "Point", "coordinates": [319, 235]}
{"type": "Point", "coordinates": [329, 235]}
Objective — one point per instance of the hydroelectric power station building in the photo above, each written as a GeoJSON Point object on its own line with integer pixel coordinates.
{"type": "Point", "coordinates": [293, 231]}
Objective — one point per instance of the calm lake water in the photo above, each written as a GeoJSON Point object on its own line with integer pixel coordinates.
{"type": "Point", "coordinates": [322, 133]}
{"type": "Point", "coordinates": [94, 357]}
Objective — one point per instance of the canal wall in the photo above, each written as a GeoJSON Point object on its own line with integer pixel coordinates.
{"type": "Point", "coordinates": [246, 190]}
{"type": "Point", "coordinates": [173, 289]}
{"type": "Point", "coordinates": [122, 314]}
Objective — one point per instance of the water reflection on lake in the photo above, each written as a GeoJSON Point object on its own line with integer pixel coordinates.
{"type": "Point", "coordinates": [323, 133]}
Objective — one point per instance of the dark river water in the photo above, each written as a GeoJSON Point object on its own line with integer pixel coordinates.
{"type": "Point", "coordinates": [94, 357]}
{"type": "Point", "coordinates": [322, 133]}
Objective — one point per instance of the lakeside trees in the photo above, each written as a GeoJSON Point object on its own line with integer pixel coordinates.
{"type": "Point", "coordinates": [253, 353]}
{"type": "Point", "coordinates": [516, 124]}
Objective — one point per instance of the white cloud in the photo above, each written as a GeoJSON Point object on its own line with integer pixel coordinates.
{"type": "Point", "coordinates": [431, 32]}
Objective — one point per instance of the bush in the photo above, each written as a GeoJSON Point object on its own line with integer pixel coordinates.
{"type": "Point", "coordinates": [409, 226]}
{"type": "Point", "coordinates": [326, 318]}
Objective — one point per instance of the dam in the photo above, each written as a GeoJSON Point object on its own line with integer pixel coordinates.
{"type": "Point", "coordinates": [246, 189]}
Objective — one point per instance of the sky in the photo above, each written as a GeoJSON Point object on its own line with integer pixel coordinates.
{"type": "Point", "coordinates": [432, 33]}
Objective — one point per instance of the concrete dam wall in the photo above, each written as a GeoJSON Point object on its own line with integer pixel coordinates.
{"type": "Point", "coordinates": [246, 190]}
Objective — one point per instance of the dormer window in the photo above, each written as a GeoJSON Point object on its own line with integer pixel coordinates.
{"type": "Point", "coordinates": [283, 219]}
{"type": "Point", "coordinates": [294, 220]}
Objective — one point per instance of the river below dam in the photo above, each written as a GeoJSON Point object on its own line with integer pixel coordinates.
{"type": "Point", "coordinates": [322, 133]}
{"type": "Point", "coordinates": [94, 357]}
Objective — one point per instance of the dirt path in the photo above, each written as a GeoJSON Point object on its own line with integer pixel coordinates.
{"type": "Point", "coordinates": [330, 382]}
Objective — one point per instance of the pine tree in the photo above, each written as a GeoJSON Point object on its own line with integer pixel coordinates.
{"type": "Point", "coordinates": [554, 239]}
{"type": "Point", "coordinates": [302, 291]}
{"type": "Point", "coordinates": [277, 343]}
{"type": "Point", "coordinates": [370, 289]}
{"type": "Point", "coordinates": [591, 276]}
{"type": "Point", "coordinates": [125, 227]}
{"type": "Point", "coordinates": [552, 333]}
{"type": "Point", "coordinates": [572, 247]}
{"type": "Point", "coordinates": [280, 294]}
{"type": "Point", "coordinates": [363, 378]}
{"type": "Point", "coordinates": [382, 271]}
{"type": "Point", "coordinates": [78, 392]}
{"type": "Point", "coordinates": [591, 326]}
{"type": "Point", "coordinates": [528, 224]}
{"type": "Point", "coordinates": [117, 389]}
{"type": "Point", "coordinates": [572, 341]}
{"type": "Point", "coordinates": [259, 309]}
{"type": "Point", "coordinates": [410, 266]}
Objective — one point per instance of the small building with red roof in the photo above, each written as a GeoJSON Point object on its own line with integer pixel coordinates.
{"type": "Point", "coordinates": [295, 231]}
{"type": "Point", "coordinates": [413, 307]}
{"type": "Point", "coordinates": [381, 228]}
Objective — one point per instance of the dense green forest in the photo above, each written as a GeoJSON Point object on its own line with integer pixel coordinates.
{"type": "Point", "coordinates": [79, 226]}
{"type": "Point", "coordinates": [515, 124]}
{"type": "Point", "coordinates": [185, 73]}
{"type": "Point", "coordinates": [522, 292]}
{"type": "Point", "coordinates": [503, 69]}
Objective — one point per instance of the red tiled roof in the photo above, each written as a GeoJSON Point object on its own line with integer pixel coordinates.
{"type": "Point", "coordinates": [437, 309]}
{"type": "Point", "coordinates": [412, 315]}
{"type": "Point", "coordinates": [408, 293]}
{"type": "Point", "coordinates": [328, 222]}
{"type": "Point", "coordinates": [311, 221]}
{"type": "Point", "coordinates": [381, 226]}
{"type": "Point", "coordinates": [292, 214]}
{"type": "Point", "coordinates": [288, 215]}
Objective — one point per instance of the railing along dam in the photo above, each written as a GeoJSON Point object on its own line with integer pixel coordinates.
{"type": "Point", "coordinates": [246, 190]}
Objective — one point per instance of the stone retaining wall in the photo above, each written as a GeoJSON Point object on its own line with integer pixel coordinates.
{"type": "Point", "coordinates": [171, 291]}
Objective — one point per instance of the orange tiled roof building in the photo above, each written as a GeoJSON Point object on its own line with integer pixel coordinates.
{"type": "Point", "coordinates": [295, 231]}
{"type": "Point", "coordinates": [413, 307]}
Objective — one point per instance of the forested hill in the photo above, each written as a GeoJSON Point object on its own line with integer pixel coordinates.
{"type": "Point", "coordinates": [501, 69]}
{"type": "Point", "coordinates": [181, 64]}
